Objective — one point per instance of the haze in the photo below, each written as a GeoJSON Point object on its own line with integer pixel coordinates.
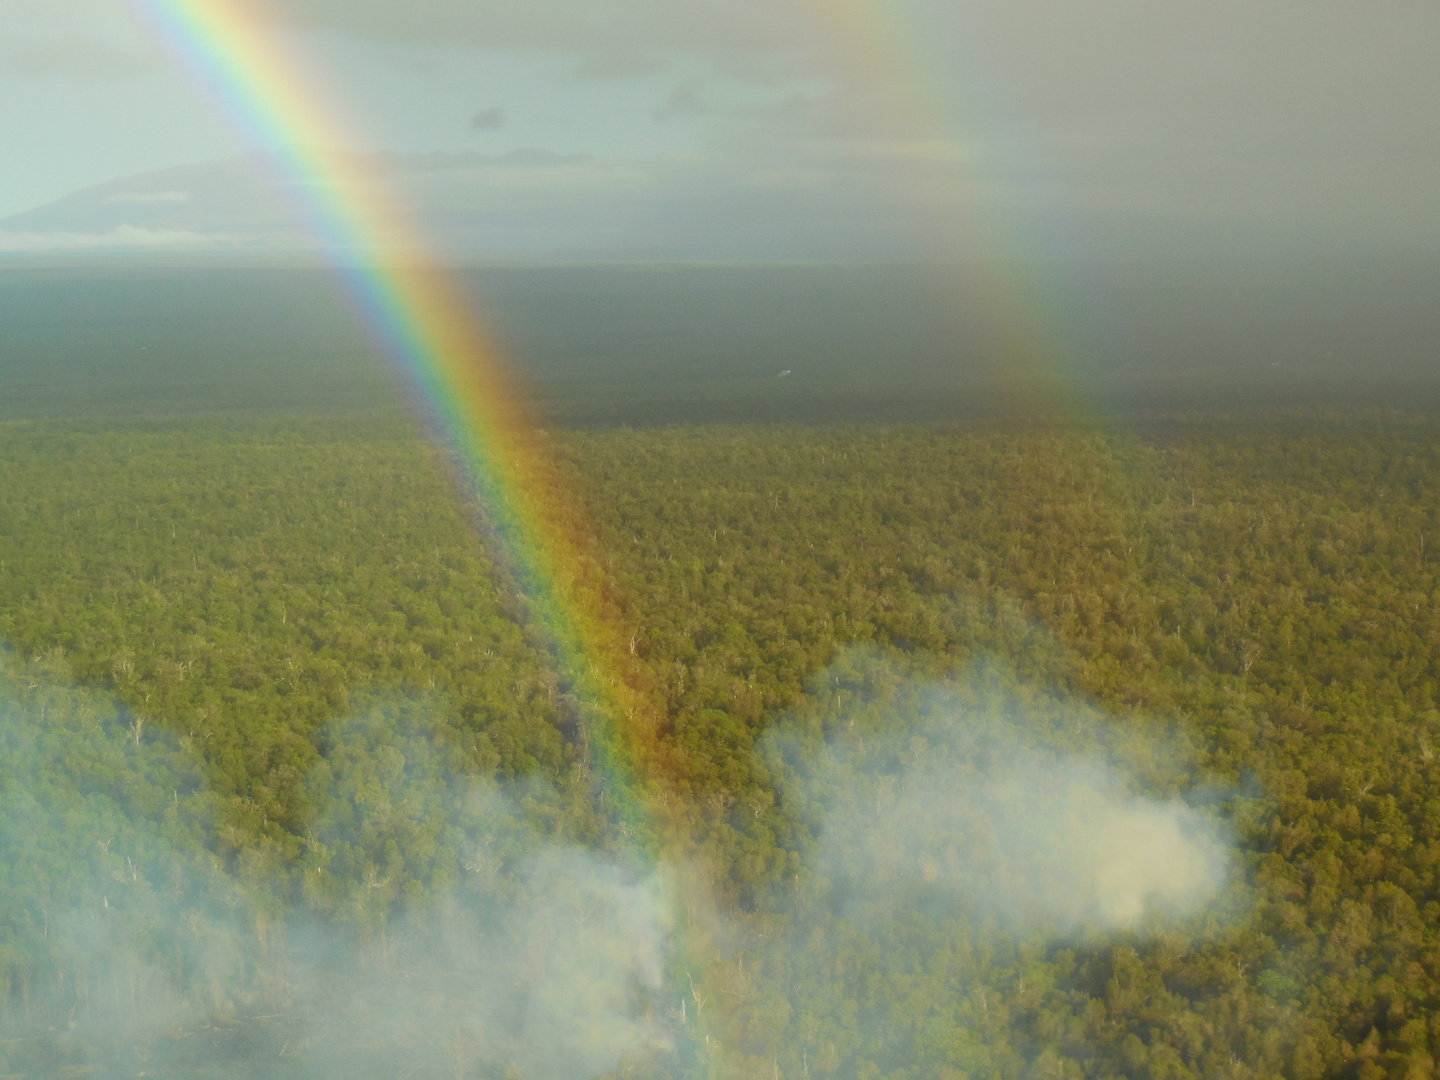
{"type": "Point", "coordinates": [761, 131]}
{"type": "Point", "coordinates": [758, 539]}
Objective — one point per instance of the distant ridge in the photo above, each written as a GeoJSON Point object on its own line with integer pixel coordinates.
{"type": "Point", "coordinates": [251, 203]}
{"type": "Point", "coordinates": [226, 204]}
{"type": "Point", "coordinates": [528, 204]}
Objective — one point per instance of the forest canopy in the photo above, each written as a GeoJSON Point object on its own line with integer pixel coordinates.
{"type": "Point", "coordinates": [292, 786]}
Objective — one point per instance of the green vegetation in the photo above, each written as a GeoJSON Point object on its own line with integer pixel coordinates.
{"type": "Point", "coordinates": [254, 651]}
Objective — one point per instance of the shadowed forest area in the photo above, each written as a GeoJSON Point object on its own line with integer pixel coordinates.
{"type": "Point", "coordinates": [647, 345]}
{"type": "Point", "coordinates": [986, 746]}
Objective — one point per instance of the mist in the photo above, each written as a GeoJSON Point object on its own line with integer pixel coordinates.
{"type": "Point", "coordinates": [655, 345]}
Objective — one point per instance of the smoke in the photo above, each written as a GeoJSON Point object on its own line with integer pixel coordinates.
{"type": "Point", "coordinates": [492, 119]}
{"type": "Point", "coordinates": [965, 795]}
{"type": "Point", "coordinates": [106, 893]}
{"type": "Point", "coordinates": [434, 921]}
{"type": "Point", "coordinates": [554, 980]}
{"type": "Point", "coordinates": [484, 941]}
{"type": "Point", "coordinates": [1033, 843]}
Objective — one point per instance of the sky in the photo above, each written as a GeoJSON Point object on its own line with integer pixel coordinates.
{"type": "Point", "coordinates": [765, 129]}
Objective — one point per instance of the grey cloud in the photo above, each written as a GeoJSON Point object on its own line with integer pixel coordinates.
{"type": "Point", "coordinates": [147, 198]}
{"type": "Point", "coordinates": [1221, 111]}
{"type": "Point", "coordinates": [762, 199]}
{"type": "Point", "coordinates": [684, 100]}
{"type": "Point", "coordinates": [623, 29]}
{"type": "Point", "coordinates": [126, 237]}
{"type": "Point", "coordinates": [598, 66]}
{"type": "Point", "coordinates": [492, 119]}
{"type": "Point", "coordinates": [1131, 122]}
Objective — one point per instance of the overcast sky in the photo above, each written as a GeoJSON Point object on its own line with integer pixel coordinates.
{"type": "Point", "coordinates": [799, 128]}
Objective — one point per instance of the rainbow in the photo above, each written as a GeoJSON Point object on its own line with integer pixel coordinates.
{"type": "Point", "coordinates": [434, 335]}
{"type": "Point", "coordinates": [431, 331]}
{"type": "Point", "coordinates": [899, 45]}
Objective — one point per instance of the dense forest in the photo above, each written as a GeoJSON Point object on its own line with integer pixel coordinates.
{"type": "Point", "coordinates": [292, 787]}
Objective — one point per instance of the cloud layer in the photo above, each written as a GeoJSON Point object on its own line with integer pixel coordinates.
{"type": "Point", "coordinates": [1034, 127]}
{"type": "Point", "coordinates": [123, 238]}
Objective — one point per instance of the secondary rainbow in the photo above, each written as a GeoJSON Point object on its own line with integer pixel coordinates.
{"type": "Point", "coordinates": [933, 86]}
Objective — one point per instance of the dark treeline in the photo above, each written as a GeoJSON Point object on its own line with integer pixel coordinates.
{"type": "Point", "coordinates": [262, 669]}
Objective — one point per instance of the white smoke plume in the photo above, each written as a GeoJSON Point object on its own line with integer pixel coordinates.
{"type": "Point", "coordinates": [1033, 843]}
{"type": "Point", "coordinates": [964, 794]}
{"type": "Point", "coordinates": [553, 983]}
{"type": "Point", "coordinates": [438, 923]}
